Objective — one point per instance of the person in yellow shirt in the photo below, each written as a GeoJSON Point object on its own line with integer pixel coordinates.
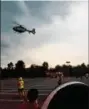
{"type": "Point", "coordinates": [21, 87]}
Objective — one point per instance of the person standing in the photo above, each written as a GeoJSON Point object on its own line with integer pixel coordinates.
{"type": "Point", "coordinates": [20, 85]}
{"type": "Point", "coordinates": [60, 78]}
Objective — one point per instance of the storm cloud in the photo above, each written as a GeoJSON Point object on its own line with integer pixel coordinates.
{"type": "Point", "coordinates": [54, 23]}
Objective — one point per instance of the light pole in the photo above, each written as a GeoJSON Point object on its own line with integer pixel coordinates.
{"type": "Point", "coordinates": [68, 64]}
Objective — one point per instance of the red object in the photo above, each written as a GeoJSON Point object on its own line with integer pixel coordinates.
{"type": "Point", "coordinates": [19, 84]}
{"type": "Point", "coordinates": [27, 105]}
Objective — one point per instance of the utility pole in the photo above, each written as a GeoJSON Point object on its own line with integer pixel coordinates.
{"type": "Point", "coordinates": [68, 64]}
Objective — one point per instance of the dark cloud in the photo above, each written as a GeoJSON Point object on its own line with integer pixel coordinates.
{"type": "Point", "coordinates": [36, 14]}
{"type": "Point", "coordinates": [38, 8]}
{"type": "Point", "coordinates": [30, 14]}
{"type": "Point", "coordinates": [4, 45]}
{"type": "Point", "coordinates": [10, 6]}
{"type": "Point", "coordinates": [9, 9]}
{"type": "Point", "coordinates": [42, 12]}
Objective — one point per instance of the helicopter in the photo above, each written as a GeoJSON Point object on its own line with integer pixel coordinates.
{"type": "Point", "coordinates": [21, 29]}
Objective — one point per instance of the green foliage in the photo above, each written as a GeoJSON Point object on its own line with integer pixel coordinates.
{"type": "Point", "coordinates": [40, 71]}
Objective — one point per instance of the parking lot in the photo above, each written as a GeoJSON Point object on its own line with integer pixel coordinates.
{"type": "Point", "coordinates": [9, 95]}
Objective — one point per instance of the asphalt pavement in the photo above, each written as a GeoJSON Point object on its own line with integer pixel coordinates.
{"type": "Point", "coordinates": [9, 98]}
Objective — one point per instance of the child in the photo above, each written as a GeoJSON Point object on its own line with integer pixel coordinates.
{"type": "Point", "coordinates": [32, 102]}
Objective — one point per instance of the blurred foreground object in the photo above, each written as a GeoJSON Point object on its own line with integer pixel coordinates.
{"type": "Point", "coordinates": [71, 95]}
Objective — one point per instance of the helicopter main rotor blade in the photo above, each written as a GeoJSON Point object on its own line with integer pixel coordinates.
{"type": "Point", "coordinates": [16, 23]}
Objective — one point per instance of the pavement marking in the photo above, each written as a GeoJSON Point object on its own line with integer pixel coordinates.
{"type": "Point", "coordinates": [2, 93]}
{"type": "Point", "coordinates": [10, 100]}
{"type": "Point", "coordinates": [14, 89]}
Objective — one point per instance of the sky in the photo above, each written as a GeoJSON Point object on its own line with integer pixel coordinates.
{"type": "Point", "coordinates": [61, 32]}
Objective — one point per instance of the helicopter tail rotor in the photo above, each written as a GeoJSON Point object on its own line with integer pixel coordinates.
{"type": "Point", "coordinates": [33, 31]}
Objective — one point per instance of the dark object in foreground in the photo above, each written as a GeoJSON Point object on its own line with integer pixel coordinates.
{"type": "Point", "coordinates": [32, 100]}
{"type": "Point", "coordinates": [72, 95]}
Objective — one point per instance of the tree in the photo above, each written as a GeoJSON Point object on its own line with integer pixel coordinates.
{"type": "Point", "coordinates": [10, 65]}
{"type": "Point", "coordinates": [57, 67]}
{"type": "Point", "coordinates": [83, 65]}
{"type": "Point", "coordinates": [20, 65]}
{"type": "Point", "coordinates": [20, 69]}
{"type": "Point", "coordinates": [45, 65]}
{"type": "Point", "coordinates": [65, 69]}
{"type": "Point", "coordinates": [33, 66]}
{"type": "Point", "coordinates": [0, 72]}
{"type": "Point", "coordinates": [88, 68]}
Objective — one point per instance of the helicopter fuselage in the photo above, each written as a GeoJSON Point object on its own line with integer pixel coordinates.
{"type": "Point", "coordinates": [19, 29]}
{"type": "Point", "coordinates": [22, 29]}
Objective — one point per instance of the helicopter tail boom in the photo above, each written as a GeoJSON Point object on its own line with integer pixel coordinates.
{"type": "Point", "coordinates": [32, 31]}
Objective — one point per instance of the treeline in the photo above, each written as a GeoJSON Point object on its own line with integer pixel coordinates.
{"type": "Point", "coordinates": [17, 70]}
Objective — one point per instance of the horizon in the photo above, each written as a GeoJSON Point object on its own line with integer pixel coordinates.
{"type": "Point", "coordinates": [48, 65]}
{"type": "Point", "coordinates": [61, 32]}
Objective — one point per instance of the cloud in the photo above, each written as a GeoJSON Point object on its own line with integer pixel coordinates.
{"type": "Point", "coordinates": [49, 0]}
{"type": "Point", "coordinates": [69, 39]}
{"type": "Point", "coordinates": [61, 34]}
{"type": "Point", "coordinates": [58, 54]}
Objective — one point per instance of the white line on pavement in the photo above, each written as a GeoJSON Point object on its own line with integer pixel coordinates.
{"type": "Point", "coordinates": [10, 100]}
{"type": "Point", "coordinates": [11, 89]}
{"type": "Point", "coordinates": [3, 93]}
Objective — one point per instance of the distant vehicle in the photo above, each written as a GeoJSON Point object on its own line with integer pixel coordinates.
{"type": "Point", "coordinates": [68, 95]}
{"type": "Point", "coordinates": [21, 29]}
